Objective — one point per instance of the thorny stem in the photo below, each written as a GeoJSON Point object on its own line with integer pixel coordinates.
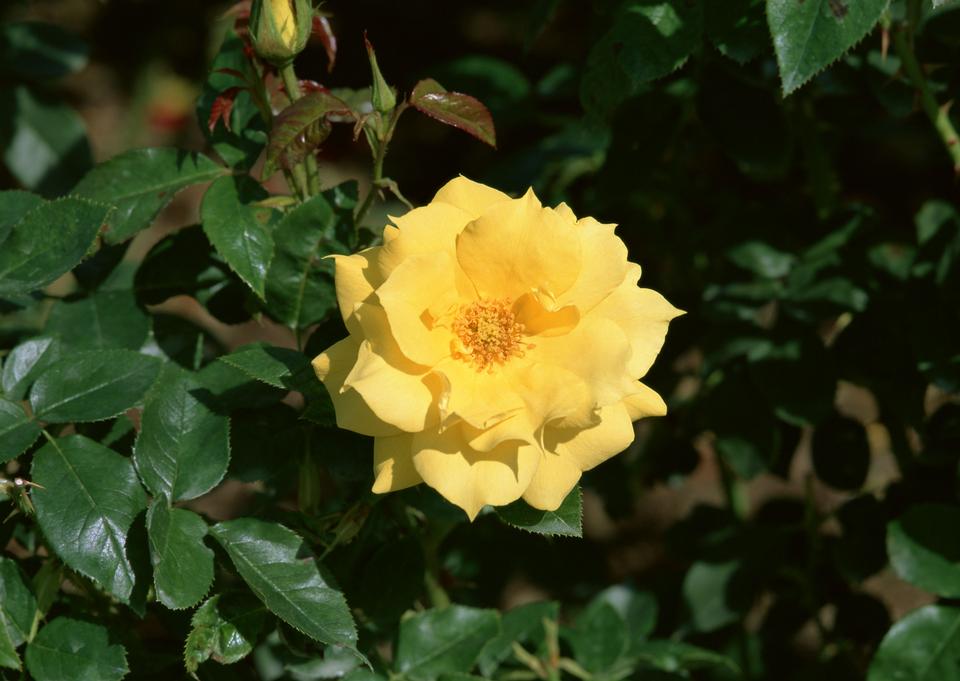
{"type": "Point", "coordinates": [307, 170]}
{"type": "Point", "coordinates": [903, 44]}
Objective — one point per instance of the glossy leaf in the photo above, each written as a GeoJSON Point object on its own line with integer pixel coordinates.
{"type": "Point", "coordinates": [455, 109]}
{"type": "Point", "coordinates": [280, 569]}
{"type": "Point", "coordinates": [600, 640]}
{"type": "Point", "coordinates": [224, 629]}
{"type": "Point", "coordinates": [17, 609]}
{"type": "Point", "coordinates": [25, 362]}
{"type": "Point", "coordinates": [440, 641]}
{"type": "Point", "coordinates": [240, 231]}
{"type": "Point", "coordinates": [107, 319]}
{"type": "Point", "coordinates": [71, 650]}
{"type": "Point", "coordinates": [565, 521]}
{"type": "Point", "coordinates": [182, 565]}
{"type": "Point", "coordinates": [300, 128]}
{"type": "Point", "coordinates": [92, 385]}
{"type": "Point", "coordinates": [139, 183]}
{"type": "Point", "coordinates": [300, 287]}
{"type": "Point", "coordinates": [279, 367]}
{"type": "Point", "coordinates": [920, 647]}
{"type": "Point", "coordinates": [40, 51]}
{"type": "Point", "coordinates": [17, 432]}
{"type": "Point", "coordinates": [14, 205]}
{"type": "Point", "coordinates": [47, 242]}
{"type": "Point", "coordinates": [89, 498]}
{"type": "Point", "coordinates": [809, 36]}
{"type": "Point", "coordinates": [44, 141]}
{"type": "Point", "coordinates": [924, 548]}
{"type": "Point", "coordinates": [710, 595]}
{"type": "Point", "coordinates": [674, 656]}
{"type": "Point", "coordinates": [183, 449]}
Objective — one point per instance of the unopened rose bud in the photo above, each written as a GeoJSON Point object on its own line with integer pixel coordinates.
{"type": "Point", "coordinates": [280, 29]}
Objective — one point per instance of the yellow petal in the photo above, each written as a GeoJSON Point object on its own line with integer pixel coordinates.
{"type": "Point", "coordinates": [428, 229]}
{"type": "Point", "coordinates": [564, 211]}
{"type": "Point", "coordinates": [375, 327]}
{"type": "Point", "coordinates": [356, 278]}
{"type": "Point", "coordinates": [480, 398]}
{"type": "Point", "coordinates": [644, 402]}
{"type": "Point", "coordinates": [643, 314]}
{"type": "Point", "coordinates": [472, 479]}
{"type": "Point", "coordinates": [597, 351]}
{"type": "Point", "coordinates": [399, 398]}
{"type": "Point", "coordinates": [417, 284]}
{"type": "Point", "coordinates": [602, 270]}
{"type": "Point", "coordinates": [588, 447]}
{"type": "Point", "coordinates": [516, 427]}
{"type": "Point", "coordinates": [553, 394]}
{"type": "Point", "coordinates": [469, 196]}
{"type": "Point", "coordinates": [332, 367]}
{"type": "Point", "coordinates": [393, 464]}
{"type": "Point", "coordinates": [519, 246]}
{"type": "Point", "coordinates": [556, 476]}
{"type": "Point", "coordinates": [537, 320]}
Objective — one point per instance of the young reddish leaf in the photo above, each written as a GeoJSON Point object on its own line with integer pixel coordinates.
{"type": "Point", "coordinates": [222, 106]}
{"type": "Point", "coordinates": [324, 32]}
{"type": "Point", "coordinates": [311, 86]}
{"type": "Point", "coordinates": [301, 127]}
{"type": "Point", "coordinates": [454, 108]}
{"type": "Point", "coordinates": [239, 75]}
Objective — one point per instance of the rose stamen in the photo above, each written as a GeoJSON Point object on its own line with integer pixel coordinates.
{"type": "Point", "coordinates": [488, 334]}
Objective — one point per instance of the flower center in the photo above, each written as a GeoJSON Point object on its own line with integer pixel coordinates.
{"type": "Point", "coordinates": [488, 333]}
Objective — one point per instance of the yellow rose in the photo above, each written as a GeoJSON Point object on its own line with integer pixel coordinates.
{"type": "Point", "coordinates": [280, 29]}
{"type": "Point", "coordinates": [495, 348]}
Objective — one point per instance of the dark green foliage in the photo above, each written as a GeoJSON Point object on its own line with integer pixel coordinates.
{"type": "Point", "coordinates": [177, 500]}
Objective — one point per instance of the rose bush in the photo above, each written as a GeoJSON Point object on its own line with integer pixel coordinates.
{"type": "Point", "coordinates": [495, 348]}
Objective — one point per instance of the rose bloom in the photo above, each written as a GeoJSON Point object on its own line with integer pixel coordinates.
{"type": "Point", "coordinates": [495, 348]}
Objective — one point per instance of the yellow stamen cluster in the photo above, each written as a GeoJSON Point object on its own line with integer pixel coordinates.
{"type": "Point", "coordinates": [488, 334]}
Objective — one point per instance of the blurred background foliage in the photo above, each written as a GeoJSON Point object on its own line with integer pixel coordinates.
{"type": "Point", "coordinates": [798, 499]}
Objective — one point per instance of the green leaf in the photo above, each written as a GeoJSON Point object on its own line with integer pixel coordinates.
{"type": "Point", "coordinates": [44, 141]}
{"type": "Point", "coordinates": [17, 431]}
{"type": "Point", "coordinates": [920, 647]}
{"type": "Point", "coordinates": [599, 639]}
{"type": "Point", "coordinates": [523, 624]}
{"type": "Point", "coordinates": [240, 142]}
{"type": "Point", "coordinates": [565, 521]}
{"type": "Point", "coordinates": [738, 28]}
{"type": "Point", "coordinates": [182, 565]}
{"type": "Point", "coordinates": [300, 287]}
{"type": "Point", "coordinates": [280, 569]}
{"type": "Point", "coordinates": [637, 609]}
{"type": "Point", "coordinates": [648, 40]}
{"type": "Point", "coordinates": [49, 241]}
{"type": "Point", "coordinates": [710, 593]}
{"type": "Point", "coordinates": [841, 453]}
{"type": "Point", "coordinates": [89, 499]}
{"type": "Point", "coordinates": [301, 128]}
{"type": "Point", "coordinates": [924, 548]}
{"type": "Point", "coordinates": [279, 367]}
{"type": "Point", "coordinates": [455, 109]}
{"type": "Point", "coordinates": [140, 182]}
{"type": "Point", "coordinates": [183, 449]}
{"type": "Point", "coordinates": [762, 259]}
{"type": "Point", "coordinates": [107, 319]}
{"type": "Point", "coordinates": [240, 231]}
{"type": "Point", "coordinates": [224, 629]}
{"type": "Point", "coordinates": [443, 641]}
{"type": "Point", "coordinates": [17, 609]}
{"type": "Point", "coordinates": [38, 51]}
{"type": "Point", "coordinates": [70, 650]}
{"type": "Point", "coordinates": [13, 206]}
{"type": "Point", "coordinates": [676, 656]}
{"type": "Point", "coordinates": [93, 385]}
{"type": "Point", "coordinates": [25, 362]}
{"type": "Point", "coordinates": [809, 36]}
